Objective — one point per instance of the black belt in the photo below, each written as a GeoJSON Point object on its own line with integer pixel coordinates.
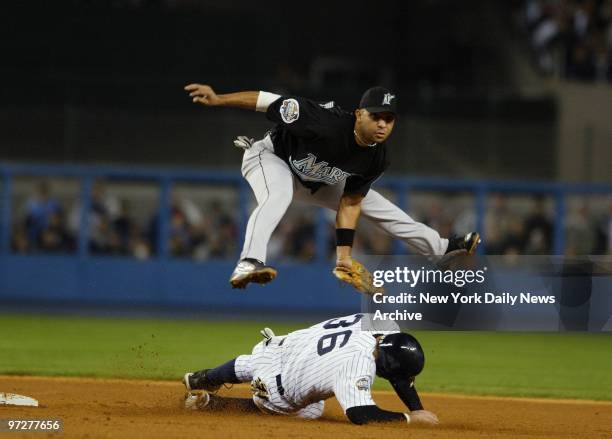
{"type": "Point", "coordinates": [279, 385]}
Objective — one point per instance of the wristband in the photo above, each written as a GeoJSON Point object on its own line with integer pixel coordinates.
{"type": "Point", "coordinates": [344, 237]}
{"type": "Point", "coordinates": [407, 418]}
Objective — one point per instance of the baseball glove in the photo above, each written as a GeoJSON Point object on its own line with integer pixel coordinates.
{"type": "Point", "coordinates": [359, 277]}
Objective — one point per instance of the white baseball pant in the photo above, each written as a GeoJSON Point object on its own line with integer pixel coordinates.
{"type": "Point", "coordinates": [264, 364]}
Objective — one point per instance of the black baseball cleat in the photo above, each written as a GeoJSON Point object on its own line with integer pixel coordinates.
{"type": "Point", "coordinates": [468, 243]}
{"type": "Point", "coordinates": [251, 270]}
{"type": "Point", "coordinates": [199, 381]}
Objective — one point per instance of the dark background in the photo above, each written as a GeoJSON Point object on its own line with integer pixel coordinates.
{"type": "Point", "coordinates": [101, 81]}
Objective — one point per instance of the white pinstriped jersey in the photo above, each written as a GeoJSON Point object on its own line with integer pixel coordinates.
{"type": "Point", "coordinates": [331, 358]}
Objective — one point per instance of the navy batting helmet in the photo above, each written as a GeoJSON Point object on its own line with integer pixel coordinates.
{"type": "Point", "coordinates": [400, 356]}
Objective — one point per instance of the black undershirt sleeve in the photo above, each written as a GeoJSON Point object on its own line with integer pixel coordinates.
{"type": "Point", "coordinates": [366, 414]}
{"type": "Point", "coordinates": [408, 394]}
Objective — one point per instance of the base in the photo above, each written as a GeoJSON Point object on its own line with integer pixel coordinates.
{"type": "Point", "coordinates": [14, 399]}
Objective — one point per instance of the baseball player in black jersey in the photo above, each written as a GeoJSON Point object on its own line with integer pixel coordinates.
{"type": "Point", "coordinates": [294, 374]}
{"type": "Point", "coordinates": [325, 156]}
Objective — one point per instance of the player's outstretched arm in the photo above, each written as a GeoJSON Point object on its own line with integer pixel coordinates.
{"type": "Point", "coordinates": [347, 216]}
{"type": "Point", "coordinates": [205, 95]}
{"type": "Point", "coordinates": [368, 414]}
{"type": "Point", "coordinates": [348, 269]}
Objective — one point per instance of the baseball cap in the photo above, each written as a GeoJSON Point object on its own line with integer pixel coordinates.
{"type": "Point", "coordinates": [378, 99]}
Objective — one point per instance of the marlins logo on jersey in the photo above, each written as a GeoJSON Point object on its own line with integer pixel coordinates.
{"type": "Point", "coordinates": [309, 170]}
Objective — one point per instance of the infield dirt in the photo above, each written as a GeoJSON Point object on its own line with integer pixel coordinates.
{"type": "Point", "coordinates": [105, 408]}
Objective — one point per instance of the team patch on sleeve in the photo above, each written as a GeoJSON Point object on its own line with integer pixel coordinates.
{"type": "Point", "coordinates": [290, 110]}
{"type": "Point", "coordinates": [363, 383]}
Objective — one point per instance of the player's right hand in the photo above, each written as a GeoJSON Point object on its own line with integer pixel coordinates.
{"type": "Point", "coordinates": [343, 261]}
{"type": "Point", "coordinates": [203, 94]}
{"type": "Point", "coordinates": [423, 417]}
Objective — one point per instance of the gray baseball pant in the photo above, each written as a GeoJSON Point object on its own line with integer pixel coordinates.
{"type": "Point", "coordinates": [275, 187]}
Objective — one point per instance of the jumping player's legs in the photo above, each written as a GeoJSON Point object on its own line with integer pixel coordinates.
{"type": "Point", "coordinates": [272, 183]}
{"type": "Point", "coordinates": [417, 236]}
{"type": "Point", "coordinates": [420, 238]}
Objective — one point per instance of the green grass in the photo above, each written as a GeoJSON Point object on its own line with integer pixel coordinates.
{"type": "Point", "coordinates": [569, 365]}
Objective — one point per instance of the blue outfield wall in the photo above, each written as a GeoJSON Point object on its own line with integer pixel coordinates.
{"type": "Point", "coordinates": [163, 280]}
{"type": "Point", "coordinates": [202, 286]}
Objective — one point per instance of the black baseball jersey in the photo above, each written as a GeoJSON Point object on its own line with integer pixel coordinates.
{"type": "Point", "coordinates": [317, 141]}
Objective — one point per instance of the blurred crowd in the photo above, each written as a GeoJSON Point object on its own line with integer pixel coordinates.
{"type": "Point", "coordinates": [205, 231]}
{"type": "Point", "coordinates": [48, 226]}
{"type": "Point", "coordinates": [44, 225]}
{"type": "Point", "coordinates": [529, 230]}
{"type": "Point", "coordinates": [570, 38]}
